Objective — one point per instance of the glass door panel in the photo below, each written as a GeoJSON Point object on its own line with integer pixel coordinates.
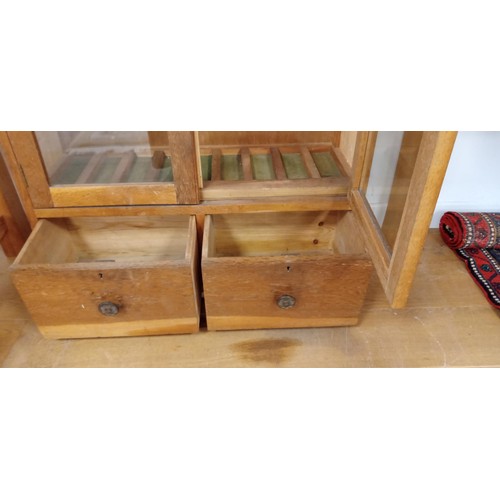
{"type": "Point", "coordinates": [86, 158]}
{"type": "Point", "coordinates": [397, 183]}
{"type": "Point", "coordinates": [392, 168]}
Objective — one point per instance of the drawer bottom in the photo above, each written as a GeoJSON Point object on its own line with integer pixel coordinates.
{"type": "Point", "coordinates": [256, 322]}
{"type": "Point", "coordinates": [121, 329]}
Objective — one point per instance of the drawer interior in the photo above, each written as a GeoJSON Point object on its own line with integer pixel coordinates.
{"type": "Point", "coordinates": [108, 239]}
{"type": "Point", "coordinates": [282, 233]}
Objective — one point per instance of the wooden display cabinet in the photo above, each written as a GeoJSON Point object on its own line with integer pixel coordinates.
{"type": "Point", "coordinates": [276, 176]}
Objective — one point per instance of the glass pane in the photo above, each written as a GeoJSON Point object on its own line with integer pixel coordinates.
{"type": "Point", "coordinates": [105, 157]}
{"type": "Point", "coordinates": [391, 171]}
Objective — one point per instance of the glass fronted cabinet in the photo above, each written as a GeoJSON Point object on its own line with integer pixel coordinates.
{"type": "Point", "coordinates": [90, 168]}
{"type": "Point", "coordinates": [389, 181]}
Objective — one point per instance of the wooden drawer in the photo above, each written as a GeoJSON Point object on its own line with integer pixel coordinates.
{"type": "Point", "coordinates": [109, 276]}
{"type": "Point", "coordinates": [283, 270]}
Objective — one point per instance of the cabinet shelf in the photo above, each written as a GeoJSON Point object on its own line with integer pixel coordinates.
{"type": "Point", "coordinates": [227, 172]}
{"type": "Point", "coordinates": [260, 171]}
{"type": "Point", "coordinates": [112, 168]}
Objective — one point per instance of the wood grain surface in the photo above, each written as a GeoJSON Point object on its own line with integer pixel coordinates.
{"type": "Point", "coordinates": [250, 261]}
{"type": "Point", "coordinates": [68, 268]}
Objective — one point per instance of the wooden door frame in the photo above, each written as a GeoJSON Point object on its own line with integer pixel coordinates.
{"type": "Point", "coordinates": [29, 172]}
{"type": "Point", "coordinates": [396, 267]}
{"type": "Point", "coordinates": [14, 224]}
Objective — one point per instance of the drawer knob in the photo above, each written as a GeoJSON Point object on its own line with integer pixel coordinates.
{"type": "Point", "coordinates": [109, 308]}
{"type": "Point", "coordinates": [286, 302]}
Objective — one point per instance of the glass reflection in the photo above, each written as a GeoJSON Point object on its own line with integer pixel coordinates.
{"type": "Point", "coordinates": [390, 175]}
{"type": "Point", "coordinates": [105, 157]}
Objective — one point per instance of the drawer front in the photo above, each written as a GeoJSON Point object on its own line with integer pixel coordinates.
{"type": "Point", "coordinates": [284, 292]}
{"type": "Point", "coordinates": [103, 301]}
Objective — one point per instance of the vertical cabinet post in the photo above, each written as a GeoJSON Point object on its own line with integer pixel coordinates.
{"type": "Point", "coordinates": [186, 166]}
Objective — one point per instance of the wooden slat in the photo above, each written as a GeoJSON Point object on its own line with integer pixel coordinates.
{"type": "Point", "coordinates": [279, 169]}
{"type": "Point", "coordinates": [216, 162]}
{"type": "Point", "coordinates": [106, 195]}
{"type": "Point", "coordinates": [309, 163]}
{"type": "Point", "coordinates": [29, 159]}
{"type": "Point", "coordinates": [276, 204]}
{"type": "Point", "coordinates": [185, 166]}
{"type": "Point", "coordinates": [123, 169]}
{"type": "Point", "coordinates": [246, 163]}
{"type": "Point", "coordinates": [303, 187]}
{"type": "Point", "coordinates": [91, 169]}
{"type": "Point", "coordinates": [158, 159]}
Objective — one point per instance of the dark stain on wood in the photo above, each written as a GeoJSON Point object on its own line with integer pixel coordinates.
{"type": "Point", "coordinates": [273, 351]}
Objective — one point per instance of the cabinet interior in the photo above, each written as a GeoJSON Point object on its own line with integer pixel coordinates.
{"type": "Point", "coordinates": [108, 239]}
{"type": "Point", "coordinates": [305, 163]}
{"type": "Point", "coordinates": [281, 233]}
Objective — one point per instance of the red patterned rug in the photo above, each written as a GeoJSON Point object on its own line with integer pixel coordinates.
{"type": "Point", "coordinates": [475, 237]}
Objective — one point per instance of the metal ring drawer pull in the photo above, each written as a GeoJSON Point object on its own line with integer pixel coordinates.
{"type": "Point", "coordinates": [286, 302]}
{"type": "Point", "coordinates": [109, 308]}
